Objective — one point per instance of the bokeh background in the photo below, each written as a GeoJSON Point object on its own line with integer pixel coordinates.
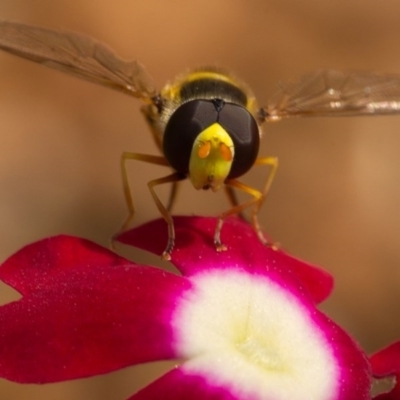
{"type": "Point", "coordinates": [335, 201]}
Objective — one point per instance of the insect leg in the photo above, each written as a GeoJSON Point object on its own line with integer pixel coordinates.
{"type": "Point", "coordinates": [272, 162]}
{"type": "Point", "coordinates": [233, 200]}
{"type": "Point", "coordinates": [172, 195]}
{"type": "Point", "coordinates": [256, 201]}
{"type": "Point", "coordinates": [173, 178]}
{"type": "Point", "coordinates": [158, 160]}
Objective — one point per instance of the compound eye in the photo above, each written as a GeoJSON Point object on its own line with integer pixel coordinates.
{"type": "Point", "coordinates": [183, 127]}
{"type": "Point", "coordinates": [243, 129]}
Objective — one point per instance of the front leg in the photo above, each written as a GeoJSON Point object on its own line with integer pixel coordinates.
{"type": "Point", "coordinates": [256, 201]}
{"type": "Point", "coordinates": [173, 178]}
{"type": "Point", "coordinates": [158, 160]}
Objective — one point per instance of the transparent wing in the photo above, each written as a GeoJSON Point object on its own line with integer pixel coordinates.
{"type": "Point", "coordinates": [334, 93]}
{"type": "Point", "coordinates": [77, 55]}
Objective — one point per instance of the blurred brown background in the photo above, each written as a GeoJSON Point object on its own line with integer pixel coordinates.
{"type": "Point", "coordinates": [335, 201]}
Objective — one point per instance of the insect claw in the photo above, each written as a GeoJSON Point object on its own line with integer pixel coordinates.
{"type": "Point", "coordinates": [219, 246]}
{"type": "Point", "coordinates": [274, 245]}
{"type": "Point", "coordinates": [166, 255]}
{"type": "Point", "coordinates": [266, 242]}
{"type": "Point", "coordinates": [217, 236]}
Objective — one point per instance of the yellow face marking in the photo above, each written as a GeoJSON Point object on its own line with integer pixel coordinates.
{"type": "Point", "coordinates": [211, 158]}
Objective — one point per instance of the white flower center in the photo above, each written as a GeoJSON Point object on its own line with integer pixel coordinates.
{"type": "Point", "coordinates": [249, 334]}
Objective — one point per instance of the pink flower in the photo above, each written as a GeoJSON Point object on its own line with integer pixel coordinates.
{"type": "Point", "coordinates": [242, 324]}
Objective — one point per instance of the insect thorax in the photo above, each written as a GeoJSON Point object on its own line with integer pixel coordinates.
{"type": "Point", "coordinates": [204, 83]}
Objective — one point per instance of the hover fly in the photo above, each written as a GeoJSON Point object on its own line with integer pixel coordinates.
{"type": "Point", "coordinates": [206, 122]}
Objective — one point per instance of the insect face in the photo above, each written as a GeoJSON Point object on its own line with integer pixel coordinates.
{"type": "Point", "coordinates": [211, 141]}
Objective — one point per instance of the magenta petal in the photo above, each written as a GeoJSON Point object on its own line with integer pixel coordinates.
{"type": "Point", "coordinates": [37, 264]}
{"type": "Point", "coordinates": [385, 363]}
{"type": "Point", "coordinates": [195, 251]}
{"type": "Point", "coordinates": [318, 282]}
{"type": "Point", "coordinates": [84, 320]}
{"type": "Point", "coordinates": [178, 385]}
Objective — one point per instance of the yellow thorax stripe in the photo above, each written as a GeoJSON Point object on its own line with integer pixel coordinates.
{"type": "Point", "coordinates": [197, 75]}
